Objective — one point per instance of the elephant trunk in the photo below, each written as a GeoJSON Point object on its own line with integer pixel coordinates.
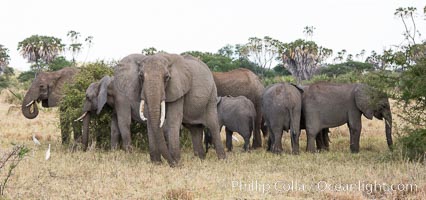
{"type": "Point", "coordinates": [388, 129]}
{"type": "Point", "coordinates": [30, 101]}
{"type": "Point", "coordinates": [85, 139]}
{"type": "Point", "coordinates": [156, 113]}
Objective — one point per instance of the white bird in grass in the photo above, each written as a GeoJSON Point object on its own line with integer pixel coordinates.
{"type": "Point", "coordinates": [48, 153]}
{"type": "Point", "coordinates": [35, 140]}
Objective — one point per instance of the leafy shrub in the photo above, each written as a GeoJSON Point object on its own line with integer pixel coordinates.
{"type": "Point", "coordinates": [58, 63]}
{"type": "Point", "coordinates": [278, 79]}
{"type": "Point", "coordinates": [413, 145]}
{"type": "Point", "coordinates": [26, 76]}
{"type": "Point", "coordinates": [71, 105]}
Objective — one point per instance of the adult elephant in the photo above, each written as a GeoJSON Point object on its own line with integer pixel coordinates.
{"type": "Point", "coordinates": [47, 88]}
{"type": "Point", "coordinates": [178, 90]}
{"type": "Point", "coordinates": [327, 105]}
{"type": "Point", "coordinates": [282, 106]}
{"type": "Point", "coordinates": [243, 82]}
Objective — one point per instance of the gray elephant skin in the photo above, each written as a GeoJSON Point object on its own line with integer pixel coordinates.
{"type": "Point", "coordinates": [103, 93]}
{"type": "Point", "coordinates": [237, 114]}
{"type": "Point", "coordinates": [177, 90]}
{"type": "Point", "coordinates": [47, 88]}
{"type": "Point", "coordinates": [243, 82]}
{"type": "Point", "coordinates": [282, 107]}
{"type": "Point", "coordinates": [327, 105]}
{"type": "Point", "coordinates": [122, 93]}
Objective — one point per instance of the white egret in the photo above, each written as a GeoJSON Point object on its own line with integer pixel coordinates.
{"type": "Point", "coordinates": [48, 153]}
{"type": "Point", "coordinates": [35, 140]}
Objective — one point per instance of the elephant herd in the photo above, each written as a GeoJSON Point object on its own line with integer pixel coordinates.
{"type": "Point", "coordinates": [167, 91]}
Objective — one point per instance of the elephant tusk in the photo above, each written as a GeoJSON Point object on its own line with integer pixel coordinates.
{"type": "Point", "coordinates": [163, 113]}
{"type": "Point", "coordinates": [141, 108]}
{"type": "Point", "coordinates": [81, 117]}
{"type": "Point", "coordinates": [29, 104]}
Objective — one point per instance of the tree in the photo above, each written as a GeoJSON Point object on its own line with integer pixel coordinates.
{"type": "Point", "coordinates": [40, 49]}
{"type": "Point", "coordinates": [410, 29]}
{"type": "Point", "coordinates": [58, 63]}
{"type": "Point", "coordinates": [263, 52]}
{"type": "Point", "coordinates": [302, 58]}
{"type": "Point", "coordinates": [149, 51]}
{"type": "Point", "coordinates": [4, 58]}
{"type": "Point", "coordinates": [309, 31]}
{"type": "Point", "coordinates": [75, 46]}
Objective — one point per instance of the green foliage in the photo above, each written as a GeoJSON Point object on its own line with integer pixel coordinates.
{"type": "Point", "coordinates": [278, 79]}
{"type": "Point", "coordinates": [413, 145]}
{"type": "Point", "coordinates": [72, 103]}
{"type": "Point", "coordinates": [216, 62]}
{"type": "Point", "coordinates": [40, 49]}
{"type": "Point", "coordinates": [27, 76]}
{"type": "Point", "coordinates": [58, 63]}
{"type": "Point", "coordinates": [4, 56]}
{"type": "Point", "coordinates": [99, 128]}
{"type": "Point", "coordinates": [280, 70]}
{"type": "Point", "coordinates": [346, 67]}
{"type": "Point", "coordinates": [149, 51]}
{"type": "Point", "coordinates": [5, 77]}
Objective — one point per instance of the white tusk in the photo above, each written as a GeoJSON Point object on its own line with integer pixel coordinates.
{"type": "Point", "coordinates": [29, 104]}
{"type": "Point", "coordinates": [235, 138]}
{"type": "Point", "coordinates": [163, 113]}
{"type": "Point", "coordinates": [141, 108]}
{"type": "Point", "coordinates": [81, 117]}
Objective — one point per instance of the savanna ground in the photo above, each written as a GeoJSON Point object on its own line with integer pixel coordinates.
{"type": "Point", "coordinates": [99, 174]}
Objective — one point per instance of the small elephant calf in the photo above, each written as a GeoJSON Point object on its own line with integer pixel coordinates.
{"type": "Point", "coordinates": [236, 114]}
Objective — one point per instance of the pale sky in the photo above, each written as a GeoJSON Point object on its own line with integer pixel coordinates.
{"type": "Point", "coordinates": [122, 27]}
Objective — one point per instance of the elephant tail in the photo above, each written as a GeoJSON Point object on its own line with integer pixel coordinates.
{"type": "Point", "coordinates": [292, 131]}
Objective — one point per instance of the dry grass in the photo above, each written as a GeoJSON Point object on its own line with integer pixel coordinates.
{"type": "Point", "coordinates": [253, 175]}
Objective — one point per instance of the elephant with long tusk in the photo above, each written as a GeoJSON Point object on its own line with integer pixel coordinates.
{"type": "Point", "coordinates": [177, 90]}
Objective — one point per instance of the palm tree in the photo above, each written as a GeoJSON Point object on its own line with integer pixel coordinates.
{"type": "Point", "coordinates": [40, 49]}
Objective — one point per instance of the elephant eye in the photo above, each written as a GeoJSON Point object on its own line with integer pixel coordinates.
{"type": "Point", "coordinates": [167, 77]}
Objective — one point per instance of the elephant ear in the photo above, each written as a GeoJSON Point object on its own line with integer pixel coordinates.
{"type": "Point", "coordinates": [103, 92]}
{"type": "Point", "coordinates": [180, 78]}
{"type": "Point", "coordinates": [59, 79]}
{"type": "Point", "coordinates": [363, 100]}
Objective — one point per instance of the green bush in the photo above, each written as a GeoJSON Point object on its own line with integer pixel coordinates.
{"type": "Point", "coordinates": [278, 79]}
{"type": "Point", "coordinates": [71, 105]}
{"type": "Point", "coordinates": [99, 128]}
{"type": "Point", "coordinates": [413, 145]}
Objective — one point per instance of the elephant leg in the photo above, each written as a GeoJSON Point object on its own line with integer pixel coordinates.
{"type": "Point", "coordinates": [197, 141]}
{"type": "Point", "coordinates": [320, 141]}
{"type": "Point", "coordinates": [115, 132]}
{"type": "Point", "coordinates": [311, 134]}
{"type": "Point", "coordinates": [277, 133]}
{"type": "Point", "coordinates": [123, 120]}
{"type": "Point", "coordinates": [257, 139]}
{"type": "Point", "coordinates": [212, 123]}
{"type": "Point", "coordinates": [228, 139]}
{"type": "Point", "coordinates": [173, 122]}
{"type": "Point", "coordinates": [271, 139]}
{"type": "Point", "coordinates": [355, 133]}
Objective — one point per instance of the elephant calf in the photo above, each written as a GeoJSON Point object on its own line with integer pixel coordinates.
{"type": "Point", "coordinates": [236, 114]}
